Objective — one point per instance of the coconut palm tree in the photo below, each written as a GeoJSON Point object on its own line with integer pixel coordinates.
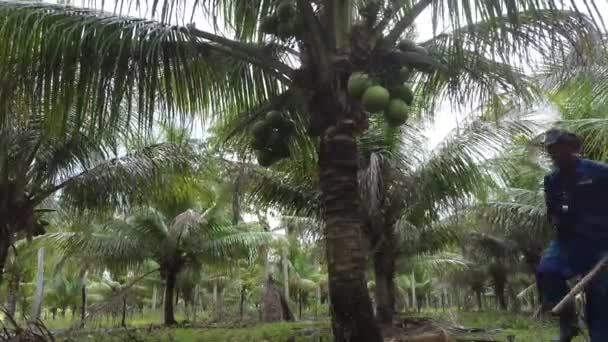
{"type": "Point", "coordinates": [186, 226]}
{"type": "Point", "coordinates": [85, 169]}
{"type": "Point", "coordinates": [405, 197]}
{"type": "Point", "coordinates": [265, 55]}
{"type": "Point", "coordinates": [404, 191]}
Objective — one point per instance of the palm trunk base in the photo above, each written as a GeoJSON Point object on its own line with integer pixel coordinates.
{"type": "Point", "coordinates": [169, 317]}
{"type": "Point", "coordinates": [274, 304]}
{"type": "Point", "coordinates": [384, 272]}
{"type": "Point", "coordinates": [5, 245]}
{"type": "Point", "coordinates": [352, 315]}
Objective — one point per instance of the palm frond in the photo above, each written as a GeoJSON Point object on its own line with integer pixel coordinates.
{"type": "Point", "coordinates": [437, 262]}
{"type": "Point", "coordinates": [127, 179]}
{"type": "Point", "coordinates": [297, 195]}
{"type": "Point", "coordinates": [454, 173]}
{"type": "Point", "coordinates": [513, 25]}
{"type": "Point", "coordinates": [528, 219]}
{"type": "Point", "coordinates": [593, 133]}
{"type": "Point", "coordinates": [93, 64]}
{"type": "Point", "coordinates": [114, 244]}
{"type": "Point", "coordinates": [229, 240]}
{"type": "Point", "coordinates": [426, 238]}
{"type": "Point", "coordinates": [150, 223]}
{"type": "Point", "coordinates": [484, 53]}
{"type": "Point", "coordinates": [494, 246]}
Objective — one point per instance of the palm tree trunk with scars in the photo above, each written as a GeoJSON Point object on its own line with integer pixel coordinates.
{"type": "Point", "coordinates": [384, 272]}
{"type": "Point", "coordinates": [351, 307]}
{"type": "Point", "coordinates": [171, 280]}
{"type": "Point", "coordinates": [6, 240]}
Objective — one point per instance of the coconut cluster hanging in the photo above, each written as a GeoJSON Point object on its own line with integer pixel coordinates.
{"type": "Point", "coordinates": [271, 137]}
{"type": "Point", "coordinates": [283, 23]}
{"type": "Point", "coordinates": [394, 102]}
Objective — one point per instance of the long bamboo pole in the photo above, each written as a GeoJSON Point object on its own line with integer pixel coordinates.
{"type": "Point", "coordinates": [580, 286]}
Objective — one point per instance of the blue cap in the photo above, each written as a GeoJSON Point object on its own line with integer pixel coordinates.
{"type": "Point", "coordinates": [555, 136]}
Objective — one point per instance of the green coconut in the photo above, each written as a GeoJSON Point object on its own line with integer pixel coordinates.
{"type": "Point", "coordinates": [405, 73]}
{"type": "Point", "coordinates": [265, 157]}
{"type": "Point", "coordinates": [358, 83]}
{"type": "Point", "coordinates": [285, 10]}
{"type": "Point", "coordinates": [270, 25]}
{"type": "Point", "coordinates": [407, 45]}
{"type": "Point", "coordinates": [404, 93]}
{"type": "Point", "coordinates": [397, 112]}
{"type": "Point", "coordinates": [274, 118]}
{"type": "Point", "coordinates": [287, 29]}
{"type": "Point", "coordinates": [375, 99]}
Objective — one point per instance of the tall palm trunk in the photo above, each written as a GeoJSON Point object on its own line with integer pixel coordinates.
{"type": "Point", "coordinates": [499, 291]}
{"type": "Point", "coordinates": [37, 306]}
{"type": "Point", "coordinates": [12, 294]}
{"type": "Point", "coordinates": [83, 289]}
{"type": "Point", "coordinates": [413, 287]}
{"type": "Point", "coordinates": [169, 317]}
{"type": "Point", "coordinates": [154, 296]}
{"type": "Point", "coordinates": [242, 302]}
{"type": "Point", "coordinates": [384, 272]}
{"type": "Point", "coordinates": [123, 319]}
{"type": "Point", "coordinates": [478, 299]}
{"type": "Point", "coordinates": [286, 273]}
{"type": "Point", "coordinates": [5, 245]}
{"type": "Point", "coordinates": [498, 272]}
{"type": "Point", "coordinates": [353, 318]}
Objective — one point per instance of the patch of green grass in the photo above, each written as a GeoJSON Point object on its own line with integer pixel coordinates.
{"type": "Point", "coordinates": [148, 318]}
{"type": "Point", "coordinates": [522, 326]}
{"type": "Point", "coordinates": [275, 332]}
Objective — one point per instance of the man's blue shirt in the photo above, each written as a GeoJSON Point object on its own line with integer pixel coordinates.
{"type": "Point", "coordinates": [580, 203]}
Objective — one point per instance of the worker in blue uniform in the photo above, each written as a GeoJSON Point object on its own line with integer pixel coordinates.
{"type": "Point", "coordinates": [576, 194]}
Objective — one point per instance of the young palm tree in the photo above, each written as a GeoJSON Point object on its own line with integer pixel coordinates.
{"type": "Point", "coordinates": [85, 169]}
{"type": "Point", "coordinates": [401, 196]}
{"type": "Point", "coordinates": [184, 228]}
{"type": "Point", "coordinates": [97, 64]}
{"type": "Point", "coordinates": [404, 191]}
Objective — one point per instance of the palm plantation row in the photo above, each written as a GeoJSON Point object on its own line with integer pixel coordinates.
{"type": "Point", "coordinates": [82, 87]}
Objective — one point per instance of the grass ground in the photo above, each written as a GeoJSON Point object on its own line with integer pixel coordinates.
{"type": "Point", "coordinates": [137, 320]}
{"type": "Point", "coordinates": [276, 332]}
{"type": "Point", "coordinates": [521, 326]}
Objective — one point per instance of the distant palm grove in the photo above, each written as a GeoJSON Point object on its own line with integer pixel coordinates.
{"type": "Point", "coordinates": [214, 164]}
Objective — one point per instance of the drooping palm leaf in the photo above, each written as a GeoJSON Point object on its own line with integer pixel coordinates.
{"type": "Point", "coordinates": [92, 64]}
{"type": "Point", "coordinates": [124, 179]}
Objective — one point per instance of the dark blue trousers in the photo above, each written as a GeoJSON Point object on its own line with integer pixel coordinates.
{"type": "Point", "coordinates": [561, 262]}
